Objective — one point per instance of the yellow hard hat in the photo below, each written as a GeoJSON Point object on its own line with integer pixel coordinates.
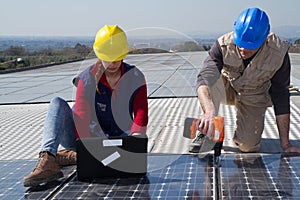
{"type": "Point", "coordinates": [111, 43]}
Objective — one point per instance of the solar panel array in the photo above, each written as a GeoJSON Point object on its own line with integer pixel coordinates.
{"type": "Point", "coordinates": [242, 176]}
{"type": "Point", "coordinates": [258, 176]}
{"type": "Point", "coordinates": [172, 174]}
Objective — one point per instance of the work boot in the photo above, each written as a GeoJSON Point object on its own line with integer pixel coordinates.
{"type": "Point", "coordinates": [66, 157]}
{"type": "Point", "coordinates": [201, 144]}
{"type": "Point", "coordinates": [196, 144]}
{"type": "Point", "coordinates": [46, 170]}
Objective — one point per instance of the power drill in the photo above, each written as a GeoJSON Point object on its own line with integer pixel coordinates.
{"type": "Point", "coordinates": [219, 135]}
{"type": "Point", "coordinates": [217, 148]}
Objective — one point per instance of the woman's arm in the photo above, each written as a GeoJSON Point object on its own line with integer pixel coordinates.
{"type": "Point", "coordinates": [82, 112]}
{"type": "Point", "coordinates": [140, 110]}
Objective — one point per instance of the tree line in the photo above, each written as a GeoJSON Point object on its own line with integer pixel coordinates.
{"type": "Point", "coordinates": [18, 56]}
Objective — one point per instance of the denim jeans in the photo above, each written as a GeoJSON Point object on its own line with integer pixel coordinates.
{"type": "Point", "coordinates": [58, 127]}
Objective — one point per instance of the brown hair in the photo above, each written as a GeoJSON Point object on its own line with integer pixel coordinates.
{"type": "Point", "coordinates": [99, 71]}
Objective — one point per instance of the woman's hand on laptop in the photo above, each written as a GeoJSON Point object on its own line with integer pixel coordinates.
{"type": "Point", "coordinates": [140, 135]}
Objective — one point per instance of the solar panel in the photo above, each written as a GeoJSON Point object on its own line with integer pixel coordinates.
{"type": "Point", "coordinates": [254, 176]}
{"type": "Point", "coordinates": [11, 185]}
{"type": "Point", "coordinates": [242, 176]}
{"type": "Point", "coordinates": [181, 177]}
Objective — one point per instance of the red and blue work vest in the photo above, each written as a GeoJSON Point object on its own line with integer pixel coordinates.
{"type": "Point", "coordinates": [112, 111]}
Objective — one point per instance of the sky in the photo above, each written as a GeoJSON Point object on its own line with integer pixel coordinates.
{"type": "Point", "coordinates": [84, 18]}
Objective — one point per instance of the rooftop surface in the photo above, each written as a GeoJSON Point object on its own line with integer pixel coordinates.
{"type": "Point", "coordinates": [173, 173]}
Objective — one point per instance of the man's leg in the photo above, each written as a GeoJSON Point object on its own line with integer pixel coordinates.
{"type": "Point", "coordinates": [218, 94]}
{"type": "Point", "coordinates": [249, 127]}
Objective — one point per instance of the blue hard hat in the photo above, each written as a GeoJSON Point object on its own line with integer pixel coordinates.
{"type": "Point", "coordinates": [251, 28]}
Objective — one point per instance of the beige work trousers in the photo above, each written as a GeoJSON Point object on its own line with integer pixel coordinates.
{"type": "Point", "coordinates": [249, 119]}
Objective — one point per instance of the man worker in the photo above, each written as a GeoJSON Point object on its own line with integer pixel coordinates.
{"type": "Point", "coordinates": [250, 69]}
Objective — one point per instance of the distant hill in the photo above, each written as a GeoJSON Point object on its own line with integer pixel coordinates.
{"type": "Point", "coordinates": [287, 32]}
{"type": "Point", "coordinates": [36, 43]}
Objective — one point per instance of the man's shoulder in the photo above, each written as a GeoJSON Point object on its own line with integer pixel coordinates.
{"type": "Point", "coordinates": [275, 42]}
{"type": "Point", "coordinates": [226, 39]}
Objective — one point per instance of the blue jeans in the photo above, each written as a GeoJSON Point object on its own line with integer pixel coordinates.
{"type": "Point", "coordinates": [59, 127]}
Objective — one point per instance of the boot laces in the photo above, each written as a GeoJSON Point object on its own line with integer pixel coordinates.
{"type": "Point", "coordinates": [66, 156]}
{"type": "Point", "coordinates": [199, 138]}
{"type": "Point", "coordinates": [41, 161]}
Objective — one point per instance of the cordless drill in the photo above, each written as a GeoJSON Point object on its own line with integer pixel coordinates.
{"type": "Point", "coordinates": [219, 135]}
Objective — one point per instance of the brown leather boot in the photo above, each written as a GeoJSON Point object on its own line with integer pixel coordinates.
{"type": "Point", "coordinates": [66, 157]}
{"type": "Point", "coordinates": [46, 170]}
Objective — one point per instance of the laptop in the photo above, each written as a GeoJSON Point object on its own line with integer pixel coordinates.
{"type": "Point", "coordinates": [112, 157]}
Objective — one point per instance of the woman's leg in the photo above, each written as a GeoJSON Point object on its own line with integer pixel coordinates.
{"type": "Point", "coordinates": [58, 127]}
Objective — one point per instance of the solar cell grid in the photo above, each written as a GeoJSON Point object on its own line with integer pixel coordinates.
{"type": "Point", "coordinates": [11, 180]}
{"type": "Point", "coordinates": [186, 177]}
{"type": "Point", "coordinates": [244, 176]}
{"type": "Point", "coordinates": [253, 176]}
